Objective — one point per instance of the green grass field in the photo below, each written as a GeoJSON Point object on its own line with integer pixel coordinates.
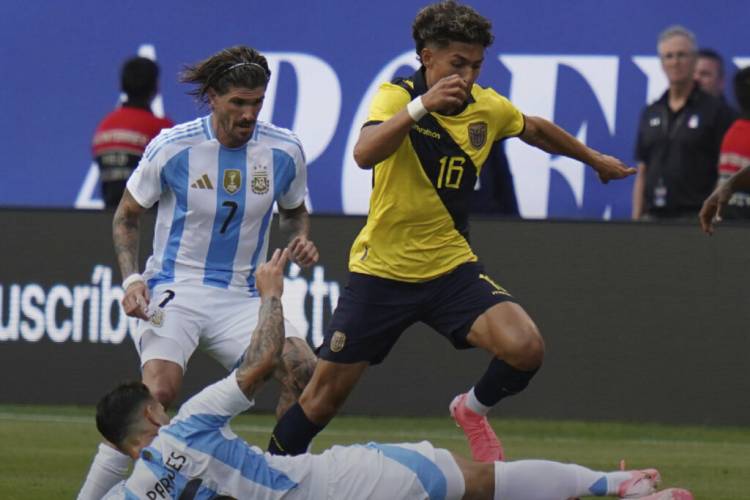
{"type": "Point", "coordinates": [45, 451]}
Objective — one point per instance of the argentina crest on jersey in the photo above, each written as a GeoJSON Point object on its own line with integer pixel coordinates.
{"type": "Point", "coordinates": [260, 183]}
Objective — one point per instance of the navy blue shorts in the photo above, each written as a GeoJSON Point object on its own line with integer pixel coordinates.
{"type": "Point", "coordinates": [373, 312]}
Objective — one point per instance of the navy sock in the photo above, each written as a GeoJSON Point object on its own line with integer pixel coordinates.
{"type": "Point", "coordinates": [293, 433]}
{"type": "Point", "coordinates": [499, 381]}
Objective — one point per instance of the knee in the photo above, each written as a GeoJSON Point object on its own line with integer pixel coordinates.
{"type": "Point", "coordinates": [298, 362]}
{"type": "Point", "coordinates": [302, 370]}
{"type": "Point", "coordinates": [525, 350]}
{"type": "Point", "coordinates": [162, 386]}
{"type": "Point", "coordinates": [164, 379]}
{"type": "Point", "coordinates": [164, 393]}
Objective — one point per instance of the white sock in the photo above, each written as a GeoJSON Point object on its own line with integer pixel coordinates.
{"type": "Point", "coordinates": [474, 405]}
{"type": "Point", "coordinates": [614, 479]}
{"type": "Point", "coordinates": [545, 480]}
{"type": "Point", "coordinates": [108, 468]}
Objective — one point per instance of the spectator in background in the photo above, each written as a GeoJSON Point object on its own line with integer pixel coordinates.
{"type": "Point", "coordinates": [678, 137]}
{"type": "Point", "coordinates": [731, 199]}
{"type": "Point", "coordinates": [494, 193]}
{"type": "Point", "coordinates": [123, 134]}
{"type": "Point", "coordinates": [709, 72]}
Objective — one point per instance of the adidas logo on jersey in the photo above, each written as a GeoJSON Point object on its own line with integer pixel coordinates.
{"type": "Point", "coordinates": [203, 183]}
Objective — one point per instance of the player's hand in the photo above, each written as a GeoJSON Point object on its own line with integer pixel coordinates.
{"type": "Point", "coordinates": [303, 251]}
{"type": "Point", "coordinates": [269, 277]}
{"type": "Point", "coordinates": [135, 301]}
{"type": "Point", "coordinates": [447, 95]}
{"type": "Point", "coordinates": [610, 168]}
{"type": "Point", "coordinates": [710, 212]}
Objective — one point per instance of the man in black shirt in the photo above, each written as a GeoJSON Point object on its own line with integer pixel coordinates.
{"type": "Point", "coordinates": [494, 193]}
{"type": "Point", "coordinates": [679, 137]}
{"type": "Point", "coordinates": [710, 72]}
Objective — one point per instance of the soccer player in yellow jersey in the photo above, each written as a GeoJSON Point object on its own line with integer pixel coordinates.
{"type": "Point", "coordinates": [426, 137]}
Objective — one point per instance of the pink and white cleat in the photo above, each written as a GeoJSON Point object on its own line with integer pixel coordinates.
{"type": "Point", "coordinates": [669, 494]}
{"type": "Point", "coordinates": [641, 483]}
{"type": "Point", "coordinates": [484, 444]}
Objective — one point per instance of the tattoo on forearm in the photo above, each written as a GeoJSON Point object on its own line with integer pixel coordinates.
{"type": "Point", "coordinates": [268, 339]}
{"type": "Point", "coordinates": [294, 223]}
{"type": "Point", "coordinates": [125, 236]}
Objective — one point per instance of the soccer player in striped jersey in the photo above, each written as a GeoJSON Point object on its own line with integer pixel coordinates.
{"type": "Point", "coordinates": [216, 180]}
{"type": "Point", "coordinates": [196, 454]}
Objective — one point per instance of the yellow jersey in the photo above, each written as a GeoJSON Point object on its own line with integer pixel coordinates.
{"type": "Point", "coordinates": [417, 227]}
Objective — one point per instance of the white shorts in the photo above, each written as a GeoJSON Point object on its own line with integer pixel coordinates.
{"type": "Point", "coordinates": [388, 471]}
{"type": "Point", "coordinates": [219, 321]}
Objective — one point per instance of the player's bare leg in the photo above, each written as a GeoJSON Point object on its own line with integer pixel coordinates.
{"type": "Point", "coordinates": [509, 334]}
{"type": "Point", "coordinates": [327, 390]}
{"type": "Point", "coordinates": [506, 331]}
{"type": "Point", "coordinates": [479, 478]}
{"type": "Point", "coordinates": [164, 379]}
{"type": "Point", "coordinates": [298, 363]}
{"type": "Point", "coordinates": [329, 387]}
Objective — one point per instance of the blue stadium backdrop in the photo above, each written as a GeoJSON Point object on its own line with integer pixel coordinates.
{"type": "Point", "coordinates": [587, 64]}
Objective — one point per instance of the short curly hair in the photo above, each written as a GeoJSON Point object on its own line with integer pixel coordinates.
{"type": "Point", "coordinates": [445, 22]}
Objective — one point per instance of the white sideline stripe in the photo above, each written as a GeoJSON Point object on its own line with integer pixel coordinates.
{"type": "Point", "coordinates": [62, 419]}
{"type": "Point", "coordinates": [411, 436]}
{"type": "Point", "coordinates": [34, 417]}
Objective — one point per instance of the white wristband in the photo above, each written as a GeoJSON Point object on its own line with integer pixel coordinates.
{"type": "Point", "coordinates": [416, 109]}
{"type": "Point", "coordinates": [132, 279]}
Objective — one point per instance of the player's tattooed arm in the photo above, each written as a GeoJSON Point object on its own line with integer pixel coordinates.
{"type": "Point", "coordinates": [294, 222]}
{"type": "Point", "coordinates": [125, 233]}
{"type": "Point", "coordinates": [295, 226]}
{"type": "Point", "coordinates": [263, 355]}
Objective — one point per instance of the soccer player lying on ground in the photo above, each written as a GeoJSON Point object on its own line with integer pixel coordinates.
{"type": "Point", "coordinates": [196, 455]}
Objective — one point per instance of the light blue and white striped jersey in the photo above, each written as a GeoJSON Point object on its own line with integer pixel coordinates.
{"type": "Point", "coordinates": [198, 452]}
{"type": "Point", "coordinates": [197, 456]}
{"type": "Point", "coordinates": [216, 203]}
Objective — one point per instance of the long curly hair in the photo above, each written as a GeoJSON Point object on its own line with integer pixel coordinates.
{"type": "Point", "coordinates": [237, 66]}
